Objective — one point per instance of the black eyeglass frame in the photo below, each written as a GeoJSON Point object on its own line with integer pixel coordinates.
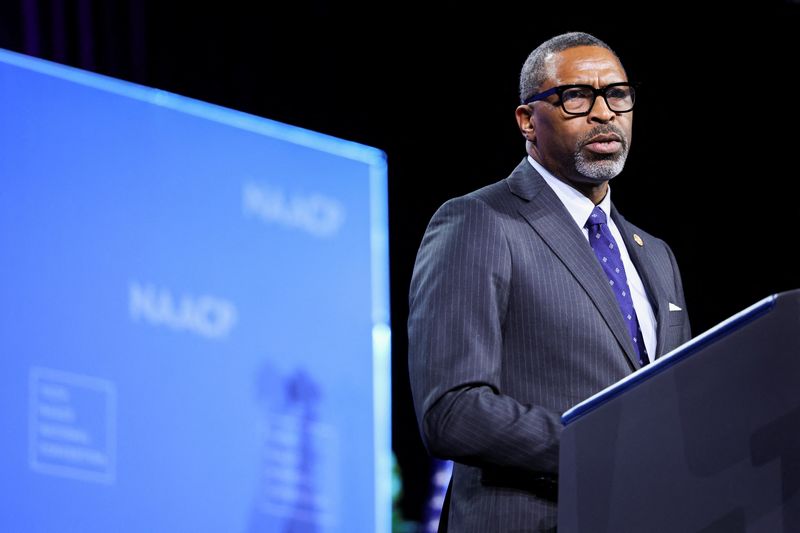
{"type": "Point", "coordinates": [559, 90]}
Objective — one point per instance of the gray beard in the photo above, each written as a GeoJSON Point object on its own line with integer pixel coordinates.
{"type": "Point", "coordinates": [601, 169]}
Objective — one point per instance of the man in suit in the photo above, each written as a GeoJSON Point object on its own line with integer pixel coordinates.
{"type": "Point", "coordinates": [516, 315]}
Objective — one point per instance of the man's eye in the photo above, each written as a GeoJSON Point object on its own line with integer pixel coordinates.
{"type": "Point", "coordinates": [575, 94]}
{"type": "Point", "coordinates": [619, 93]}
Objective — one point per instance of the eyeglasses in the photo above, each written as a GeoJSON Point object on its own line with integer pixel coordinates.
{"type": "Point", "coordinates": [579, 99]}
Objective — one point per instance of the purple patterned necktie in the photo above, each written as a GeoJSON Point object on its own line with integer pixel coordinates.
{"type": "Point", "coordinates": [605, 248]}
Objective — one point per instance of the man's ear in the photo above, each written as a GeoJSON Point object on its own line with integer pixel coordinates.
{"type": "Point", "coordinates": [524, 115]}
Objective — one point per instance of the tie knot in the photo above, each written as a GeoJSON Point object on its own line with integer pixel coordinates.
{"type": "Point", "coordinates": [597, 217]}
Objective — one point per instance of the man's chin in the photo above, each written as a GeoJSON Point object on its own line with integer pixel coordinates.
{"type": "Point", "coordinates": [600, 171]}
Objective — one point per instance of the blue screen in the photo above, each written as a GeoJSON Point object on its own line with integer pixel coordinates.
{"type": "Point", "coordinates": [194, 330]}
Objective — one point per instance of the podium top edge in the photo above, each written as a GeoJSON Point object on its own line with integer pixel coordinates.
{"type": "Point", "coordinates": [710, 336]}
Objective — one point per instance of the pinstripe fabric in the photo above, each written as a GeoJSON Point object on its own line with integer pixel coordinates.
{"type": "Point", "coordinates": [511, 322]}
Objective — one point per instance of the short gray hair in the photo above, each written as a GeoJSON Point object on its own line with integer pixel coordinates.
{"type": "Point", "coordinates": [534, 72]}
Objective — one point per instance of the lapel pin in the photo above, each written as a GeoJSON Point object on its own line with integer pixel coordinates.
{"type": "Point", "coordinates": [638, 240]}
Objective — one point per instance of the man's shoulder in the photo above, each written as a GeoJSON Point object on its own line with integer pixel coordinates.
{"type": "Point", "coordinates": [644, 234]}
{"type": "Point", "coordinates": [639, 235]}
{"type": "Point", "coordinates": [494, 194]}
{"type": "Point", "coordinates": [521, 185]}
{"type": "Point", "coordinates": [503, 195]}
{"type": "Point", "coordinates": [493, 199]}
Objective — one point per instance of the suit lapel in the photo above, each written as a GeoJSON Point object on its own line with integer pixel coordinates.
{"type": "Point", "coordinates": [551, 220]}
{"type": "Point", "coordinates": [643, 261]}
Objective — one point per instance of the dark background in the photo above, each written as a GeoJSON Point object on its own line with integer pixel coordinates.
{"type": "Point", "coordinates": [713, 169]}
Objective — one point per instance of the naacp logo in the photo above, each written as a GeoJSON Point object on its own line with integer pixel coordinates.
{"type": "Point", "coordinates": [204, 315]}
{"type": "Point", "coordinates": [315, 213]}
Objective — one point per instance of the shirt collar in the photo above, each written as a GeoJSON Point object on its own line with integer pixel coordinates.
{"type": "Point", "coordinates": [578, 205]}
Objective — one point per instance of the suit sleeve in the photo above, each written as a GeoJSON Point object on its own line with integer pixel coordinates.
{"type": "Point", "coordinates": [458, 299]}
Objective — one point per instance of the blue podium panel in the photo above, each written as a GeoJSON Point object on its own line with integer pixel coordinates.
{"type": "Point", "coordinates": [194, 333]}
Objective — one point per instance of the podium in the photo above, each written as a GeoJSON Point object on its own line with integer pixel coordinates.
{"type": "Point", "coordinates": [704, 440]}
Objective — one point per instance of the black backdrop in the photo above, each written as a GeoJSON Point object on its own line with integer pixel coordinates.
{"type": "Point", "coordinates": [712, 170]}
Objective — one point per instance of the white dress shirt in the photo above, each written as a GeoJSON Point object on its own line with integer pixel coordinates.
{"type": "Point", "coordinates": [580, 207]}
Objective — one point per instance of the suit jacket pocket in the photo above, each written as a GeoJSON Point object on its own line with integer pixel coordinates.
{"type": "Point", "coordinates": [676, 318]}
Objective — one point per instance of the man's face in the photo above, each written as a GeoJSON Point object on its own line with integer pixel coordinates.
{"type": "Point", "coordinates": [591, 148]}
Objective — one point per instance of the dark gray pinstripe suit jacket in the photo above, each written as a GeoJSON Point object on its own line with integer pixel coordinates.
{"type": "Point", "coordinates": [511, 322]}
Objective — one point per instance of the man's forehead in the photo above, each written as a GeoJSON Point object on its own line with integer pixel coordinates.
{"type": "Point", "coordinates": [583, 61]}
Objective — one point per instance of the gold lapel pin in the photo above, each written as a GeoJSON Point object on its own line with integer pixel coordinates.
{"type": "Point", "coordinates": [638, 240]}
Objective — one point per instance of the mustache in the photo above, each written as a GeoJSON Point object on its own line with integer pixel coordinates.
{"type": "Point", "coordinates": [602, 129]}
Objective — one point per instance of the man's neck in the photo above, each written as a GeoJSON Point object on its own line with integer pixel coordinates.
{"type": "Point", "coordinates": [593, 191]}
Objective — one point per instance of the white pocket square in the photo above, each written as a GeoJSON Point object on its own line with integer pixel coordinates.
{"type": "Point", "coordinates": [673, 307]}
